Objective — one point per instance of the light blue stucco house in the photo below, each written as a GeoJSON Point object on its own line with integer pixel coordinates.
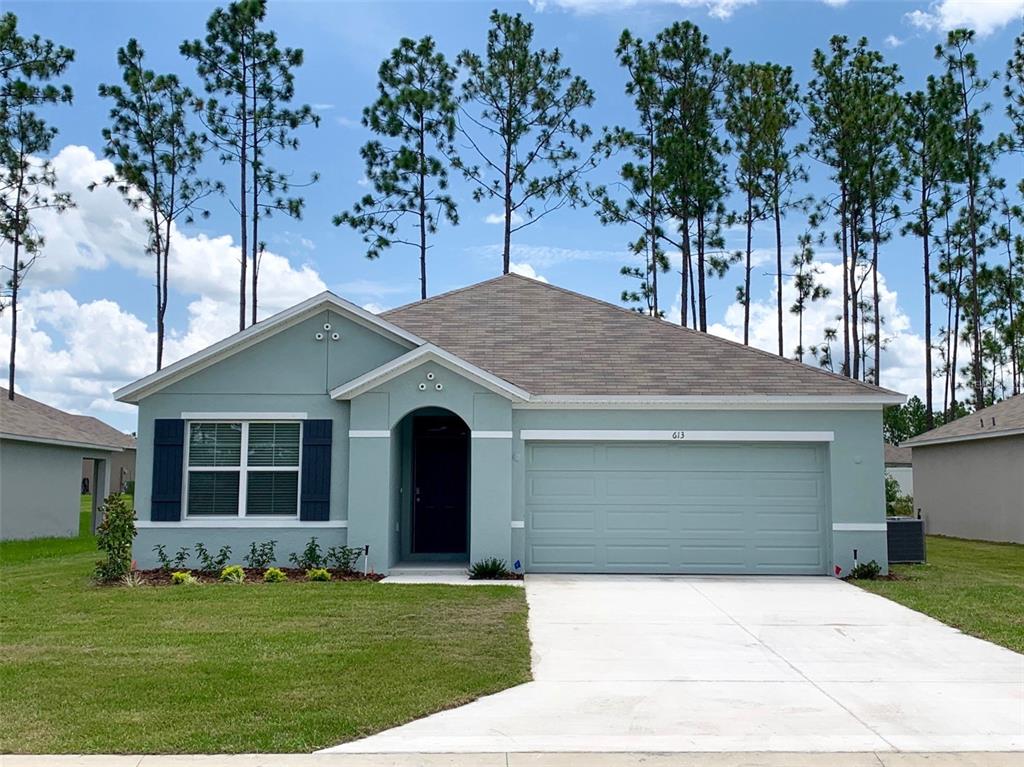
{"type": "Point", "coordinates": [510, 419]}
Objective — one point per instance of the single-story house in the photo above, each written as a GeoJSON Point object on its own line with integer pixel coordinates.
{"type": "Point", "coordinates": [969, 474]}
{"type": "Point", "coordinates": [41, 454]}
{"type": "Point", "coordinates": [510, 419]}
{"type": "Point", "coordinates": [899, 466]}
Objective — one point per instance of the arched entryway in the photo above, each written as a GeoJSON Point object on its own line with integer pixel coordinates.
{"type": "Point", "coordinates": [435, 481]}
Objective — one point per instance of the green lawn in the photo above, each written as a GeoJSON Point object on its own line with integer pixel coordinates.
{"type": "Point", "coordinates": [976, 586]}
{"type": "Point", "coordinates": [226, 668]}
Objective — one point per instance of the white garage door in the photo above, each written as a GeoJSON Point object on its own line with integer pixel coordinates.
{"type": "Point", "coordinates": [624, 507]}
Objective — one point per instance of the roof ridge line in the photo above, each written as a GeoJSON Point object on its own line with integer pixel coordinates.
{"type": "Point", "coordinates": [448, 293]}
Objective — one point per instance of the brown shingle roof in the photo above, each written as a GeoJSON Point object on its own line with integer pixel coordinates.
{"type": "Point", "coordinates": [999, 420]}
{"type": "Point", "coordinates": [897, 455]}
{"type": "Point", "coordinates": [552, 341]}
{"type": "Point", "coordinates": [25, 417]}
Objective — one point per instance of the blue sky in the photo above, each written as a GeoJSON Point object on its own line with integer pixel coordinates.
{"type": "Point", "coordinates": [89, 303]}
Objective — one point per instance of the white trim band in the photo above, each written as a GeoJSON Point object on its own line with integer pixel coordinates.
{"type": "Point", "coordinates": [518, 524]}
{"type": "Point", "coordinates": [491, 434]}
{"type": "Point", "coordinates": [246, 416]}
{"type": "Point", "coordinates": [367, 433]}
{"type": "Point", "coordinates": [859, 527]}
{"type": "Point", "coordinates": [63, 443]}
{"type": "Point", "coordinates": [243, 523]}
{"type": "Point", "coordinates": [678, 435]}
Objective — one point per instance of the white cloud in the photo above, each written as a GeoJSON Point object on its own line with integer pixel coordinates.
{"type": "Point", "coordinates": [836, 3]}
{"type": "Point", "coordinates": [373, 308]}
{"type": "Point", "coordinates": [893, 42]}
{"type": "Point", "coordinates": [347, 122]}
{"type": "Point", "coordinates": [526, 271]}
{"type": "Point", "coordinates": [719, 9]}
{"type": "Point", "coordinates": [983, 16]}
{"type": "Point", "coordinates": [73, 355]}
{"type": "Point", "coordinates": [499, 218]}
{"type": "Point", "coordinates": [902, 357]}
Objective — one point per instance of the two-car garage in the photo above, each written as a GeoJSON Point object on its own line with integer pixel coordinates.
{"type": "Point", "coordinates": [677, 506]}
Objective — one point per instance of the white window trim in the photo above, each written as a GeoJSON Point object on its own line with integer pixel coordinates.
{"type": "Point", "coordinates": [242, 470]}
{"type": "Point", "coordinates": [233, 417]}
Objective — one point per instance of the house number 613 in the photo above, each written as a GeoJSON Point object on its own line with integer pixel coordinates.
{"type": "Point", "coordinates": [679, 435]}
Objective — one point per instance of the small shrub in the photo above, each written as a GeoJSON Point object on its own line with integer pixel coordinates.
{"type": "Point", "coordinates": [311, 558]}
{"type": "Point", "coordinates": [181, 557]}
{"type": "Point", "coordinates": [182, 578]}
{"type": "Point", "coordinates": [866, 571]}
{"type": "Point", "coordinates": [114, 538]}
{"type": "Point", "coordinates": [162, 558]}
{"type": "Point", "coordinates": [232, 574]}
{"type": "Point", "coordinates": [132, 580]}
{"type": "Point", "coordinates": [488, 569]}
{"type": "Point", "coordinates": [344, 558]}
{"type": "Point", "coordinates": [261, 555]}
{"type": "Point", "coordinates": [274, 575]}
{"type": "Point", "coordinates": [317, 574]}
{"type": "Point", "coordinates": [212, 564]}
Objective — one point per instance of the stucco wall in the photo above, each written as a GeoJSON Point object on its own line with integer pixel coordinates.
{"type": "Point", "coordinates": [39, 490]}
{"type": "Point", "coordinates": [904, 476]}
{"type": "Point", "coordinates": [121, 465]}
{"type": "Point", "coordinates": [290, 372]}
{"type": "Point", "coordinates": [972, 489]}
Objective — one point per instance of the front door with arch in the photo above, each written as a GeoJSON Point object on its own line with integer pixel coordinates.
{"type": "Point", "coordinates": [439, 513]}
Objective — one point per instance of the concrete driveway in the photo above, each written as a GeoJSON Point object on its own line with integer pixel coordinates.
{"type": "Point", "coordinates": [674, 664]}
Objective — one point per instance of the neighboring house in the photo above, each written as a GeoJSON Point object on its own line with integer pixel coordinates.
{"type": "Point", "coordinates": [969, 474]}
{"type": "Point", "coordinates": [510, 419]}
{"type": "Point", "coordinates": [41, 454]}
{"type": "Point", "coordinates": [122, 470]}
{"type": "Point", "coordinates": [898, 465]}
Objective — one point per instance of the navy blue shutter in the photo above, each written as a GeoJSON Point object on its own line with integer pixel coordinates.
{"type": "Point", "coordinates": [315, 501]}
{"type": "Point", "coordinates": [168, 455]}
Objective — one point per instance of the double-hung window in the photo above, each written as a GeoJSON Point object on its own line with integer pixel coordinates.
{"type": "Point", "coordinates": [246, 469]}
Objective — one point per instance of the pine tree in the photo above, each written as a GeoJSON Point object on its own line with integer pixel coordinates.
{"type": "Point", "coordinates": [415, 113]}
{"type": "Point", "coordinates": [526, 130]}
{"type": "Point", "coordinates": [927, 163]}
{"type": "Point", "coordinates": [641, 177]}
{"type": "Point", "coordinates": [251, 82]}
{"type": "Point", "coordinates": [28, 65]}
{"type": "Point", "coordinates": [694, 77]}
{"type": "Point", "coordinates": [156, 158]}
{"type": "Point", "coordinates": [808, 288]}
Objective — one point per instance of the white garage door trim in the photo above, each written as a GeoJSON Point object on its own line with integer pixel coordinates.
{"type": "Point", "coordinates": [678, 435]}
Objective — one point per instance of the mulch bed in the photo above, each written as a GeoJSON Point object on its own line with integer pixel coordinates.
{"type": "Point", "coordinates": [253, 575]}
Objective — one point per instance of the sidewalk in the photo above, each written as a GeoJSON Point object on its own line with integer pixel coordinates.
{"type": "Point", "coordinates": [747, 759]}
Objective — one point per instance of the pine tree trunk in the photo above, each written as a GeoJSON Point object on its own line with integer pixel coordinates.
{"type": "Point", "coordinates": [684, 298]}
{"type": "Point", "coordinates": [926, 236]}
{"type": "Point", "coordinates": [652, 233]}
{"type": "Point", "coordinates": [255, 244]}
{"type": "Point", "coordinates": [778, 266]}
{"type": "Point", "coordinates": [15, 284]}
{"type": "Point", "coordinates": [422, 164]}
{"type": "Point", "coordinates": [854, 300]}
{"type": "Point", "coordinates": [243, 163]}
{"type": "Point", "coordinates": [747, 268]}
{"type": "Point", "coordinates": [702, 288]}
{"type": "Point", "coordinates": [846, 283]}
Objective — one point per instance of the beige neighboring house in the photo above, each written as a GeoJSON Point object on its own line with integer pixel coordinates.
{"type": "Point", "coordinates": [969, 474]}
{"type": "Point", "coordinates": [41, 454]}
{"type": "Point", "coordinates": [898, 465]}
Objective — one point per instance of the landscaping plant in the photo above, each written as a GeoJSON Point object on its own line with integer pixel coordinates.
{"type": "Point", "coordinates": [181, 557]}
{"type": "Point", "coordinates": [344, 558]}
{"type": "Point", "coordinates": [488, 569]}
{"type": "Point", "coordinates": [212, 564]}
{"type": "Point", "coordinates": [183, 578]}
{"type": "Point", "coordinates": [866, 571]}
{"type": "Point", "coordinates": [114, 538]}
{"type": "Point", "coordinates": [161, 554]}
{"type": "Point", "coordinates": [232, 574]}
{"type": "Point", "coordinates": [318, 574]}
{"type": "Point", "coordinates": [274, 575]}
{"type": "Point", "coordinates": [312, 557]}
{"type": "Point", "coordinates": [261, 555]}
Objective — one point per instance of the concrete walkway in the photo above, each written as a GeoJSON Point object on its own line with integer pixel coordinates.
{"type": "Point", "coordinates": [706, 664]}
{"type": "Point", "coordinates": [866, 759]}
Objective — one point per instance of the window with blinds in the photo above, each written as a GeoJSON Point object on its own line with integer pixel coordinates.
{"type": "Point", "coordinates": [243, 469]}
